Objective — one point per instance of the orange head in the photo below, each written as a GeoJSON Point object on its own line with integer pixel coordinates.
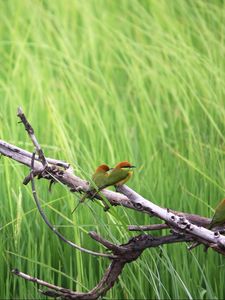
{"type": "Point", "coordinates": [102, 168]}
{"type": "Point", "coordinates": [124, 164]}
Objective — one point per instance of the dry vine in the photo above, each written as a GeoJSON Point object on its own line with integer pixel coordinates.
{"type": "Point", "coordinates": [184, 227]}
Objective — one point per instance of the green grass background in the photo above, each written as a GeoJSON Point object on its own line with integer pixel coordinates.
{"type": "Point", "coordinates": [105, 81]}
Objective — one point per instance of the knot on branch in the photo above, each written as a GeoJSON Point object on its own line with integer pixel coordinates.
{"type": "Point", "coordinates": [137, 239]}
{"type": "Point", "coordinates": [138, 206]}
{"type": "Point", "coordinates": [184, 223]}
{"type": "Point", "coordinates": [173, 218]}
{"type": "Point", "coordinates": [217, 234]}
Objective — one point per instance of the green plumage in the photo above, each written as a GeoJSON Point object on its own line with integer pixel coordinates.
{"type": "Point", "coordinates": [118, 176]}
{"type": "Point", "coordinates": [100, 180]}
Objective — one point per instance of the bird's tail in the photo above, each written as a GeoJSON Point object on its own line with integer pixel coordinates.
{"type": "Point", "coordinates": [92, 192]}
{"type": "Point", "coordinates": [82, 199]}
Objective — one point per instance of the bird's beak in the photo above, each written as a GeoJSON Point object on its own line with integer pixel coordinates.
{"type": "Point", "coordinates": [128, 167]}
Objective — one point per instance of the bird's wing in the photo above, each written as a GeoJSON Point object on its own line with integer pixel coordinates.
{"type": "Point", "coordinates": [129, 174]}
{"type": "Point", "coordinates": [116, 176]}
{"type": "Point", "coordinates": [99, 179]}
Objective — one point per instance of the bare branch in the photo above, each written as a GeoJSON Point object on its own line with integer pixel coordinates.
{"type": "Point", "coordinates": [76, 184]}
{"type": "Point", "coordinates": [213, 239]}
{"type": "Point", "coordinates": [30, 131]}
{"type": "Point", "coordinates": [134, 249]}
{"type": "Point", "coordinates": [12, 150]}
{"type": "Point", "coordinates": [18, 154]}
{"type": "Point", "coordinates": [114, 248]}
{"type": "Point", "coordinates": [184, 227]}
{"type": "Point", "coordinates": [41, 282]}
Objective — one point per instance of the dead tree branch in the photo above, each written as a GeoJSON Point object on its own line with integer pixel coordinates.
{"type": "Point", "coordinates": [76, 184]}
{"type": "Point", "coordinates": [178, 223]}
{"type": "Point", "coordinates": [40, 282]}
{"type": "Point", "coordinates": [126, 253]}
{"type": "Point", "coordinates": [30, 131]}
{"type": "Point", "coordinates": [184, 227]}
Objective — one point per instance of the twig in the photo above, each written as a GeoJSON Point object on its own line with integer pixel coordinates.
{"type": "Point", "coordinates": [114, 248]}
{"type": "Point", "coordinates": [41, 282]}
{"type": "Point", "coordinates": [30, 131]}
{"type": "Point", "coordinates": [134, 249]}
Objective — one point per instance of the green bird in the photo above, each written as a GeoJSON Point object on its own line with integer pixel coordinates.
{"type": "Point", "coordinates": [120, 174]}
{"type": "Point", "coordinates": [219, 215]}
{"type": "Point", "coordinates": [99, 179]}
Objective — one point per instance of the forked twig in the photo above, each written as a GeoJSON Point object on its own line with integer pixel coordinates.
{"type": "Point", "coordinates": [126, 253]}
{"type": "Point", "coordinates": [30, 131]}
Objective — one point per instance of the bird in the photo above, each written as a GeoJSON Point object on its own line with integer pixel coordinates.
{"type": "Point", "coordinates": [99, 180]}
{"type": "Point", "coordinates": [120, 174]}
{"type": "Point", "coordinates": [219, 215]}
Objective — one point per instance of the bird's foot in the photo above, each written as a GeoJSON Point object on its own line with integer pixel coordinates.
{"type": "Point", "coordinates": [106, 208]}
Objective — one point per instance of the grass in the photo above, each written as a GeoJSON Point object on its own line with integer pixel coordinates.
{"type": "Point", "coordinates": [104, 81]}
